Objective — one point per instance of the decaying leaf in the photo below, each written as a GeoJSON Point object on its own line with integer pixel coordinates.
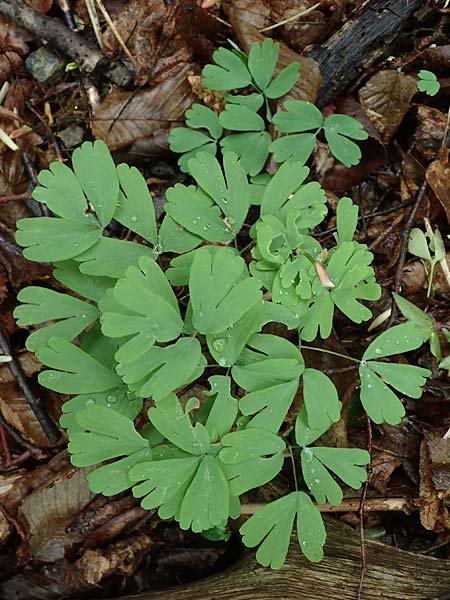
{"type": "Point", "coordinates": [48, 510]}
{"type": "Point", "coordinates": [438, 177]}
{"type": "Point", "coordinates": [4, 529]}
{"type": "Point", "coordinates": [429, 133]}
{"type": "Point", "coordinates": [247, 18]}
{"type": "Point", "coordinates": [124, 117]}
{"type": "Point", "coordinates": [434, 479]}
{"type": "Point", "coordinates": [386, 98]}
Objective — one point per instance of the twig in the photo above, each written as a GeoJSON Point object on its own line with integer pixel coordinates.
{"type": "Point", "coordinates": [35, 403]}
{"type": "Point", "coordinates": [13, 522]}
{"type": "Point", "coordinates": [33, 450]}
{"type": "Point", "coordinates": [66, 10]}
{"type": "Point", "coordinates": [66, 41]}
{"type": "Point", "coordinates": [92, 12]}
{"type": "Point", "coordinates": [361, 509]}
{"type": "Point", "coordinates": [350, 505]}
{"type": "Point", "coordinates": [302, 13]}
{"type": "Point", "coordinates": [5, 446]}
{"type": "Point", "coordinates": [13, 197]}
{"type": "Point", "coordinates": [114, 29]}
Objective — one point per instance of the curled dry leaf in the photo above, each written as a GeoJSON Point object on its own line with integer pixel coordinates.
{"type": "Point", "coordinates": [429, 133]}
{"type": "Point", "coordinates": [48, 510]}
{"type": "Point", "coordinates": [386, 98]}
{"type": "Point", "coordinates": [434, 479]}
{"type": "Point", "coordinates": [124, 117]}
{"type": "Point", "coordinates": [382, 465]}
{"type": "Point", "coordinates": [247, 18]}
{"type": "Point", "coordinates": [438, 177]}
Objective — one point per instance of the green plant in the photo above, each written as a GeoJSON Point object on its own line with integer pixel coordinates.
{"type": "Point", "coordinates": [123, 333]}
{"type": "Point", "coordinates": [428, 246]}
{"type": "Point", "coordinates": [428, 83]}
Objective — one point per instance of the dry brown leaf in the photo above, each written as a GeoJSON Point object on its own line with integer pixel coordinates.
{"type": "Point", "coordinates": [124, 117]}
{"type": "Point", "coordinates": [429, 133]}
{"type": "Point", "coordinates": [247, 18]}
{"type": "Point", "coordinates": [386, 98]}
{"type": "Point", "coordinates": [382, 465]}
{"type": "Point", "coordinates": [5, 530]}
{"type": "Point", "coordinates": [48, 511]}
{"type": "Point", "coordinates": [438, 177]}
{"type": "Point", "coordinates": [29, 364]}
{"type": "Point", "coordinates": [434, 479]}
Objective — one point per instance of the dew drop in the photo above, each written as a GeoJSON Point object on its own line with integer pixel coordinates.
{"type": "Point", "coordinates": [316, 480]}
{"type": "Point", "coordinates": [134, 219]}
{"type": "Point", "coordinates": [231, 220]}
{"type": "Point", "coordinates": [378, 351]}
{"type": "Point", "coordinates": [90, 401]}
{"type": "Point", "coordinates": [219, 345]}
{"type": "Point", "coordinates": [112, 399]}
{"type": "Point", "coordinates": [222, 362]}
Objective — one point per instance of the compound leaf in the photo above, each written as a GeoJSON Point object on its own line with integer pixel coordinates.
{"type": "Point", "coordinates": [339, 131]}
{"type": "Point", "coordinates": [221, 291]}
{"type": "Point", "coordinates": [428, 83]}
{"type": "Point", "coordinates": [105, 434]}
{"type": "Point", "coordinates": [78, 372]}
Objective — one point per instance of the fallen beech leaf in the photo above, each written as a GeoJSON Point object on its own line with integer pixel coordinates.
{"type": "Point", "coordinates": [247, 18]}
{"type": "Point", "coordinates": [124, 117]}
{"type": "Point", "coordinates": [438, 177]}
{"type": "Point", "coordinates": [386, 98]}
{"type": "Point", "coordinates": [429, 132]}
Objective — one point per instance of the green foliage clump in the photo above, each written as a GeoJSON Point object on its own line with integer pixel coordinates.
{"type": "Point", "coordinates": [234, 251]}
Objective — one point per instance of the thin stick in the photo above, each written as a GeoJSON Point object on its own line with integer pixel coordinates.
{"type": "Point", "coordinates": [350, 505]}
{"type": "Point", "coordinates": [13, 197]}
{"type": "Point", "coordinates": [302, 13]}
{"type": "Point", "coordinates": [114, 29]}
{"type": "Point", "coordinates": [35, 403]}
{"type": "Point", "coordinates": [94, 21]}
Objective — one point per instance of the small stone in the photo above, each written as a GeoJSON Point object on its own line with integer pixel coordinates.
{"type": "Point", "coordinates": [71, 136]}
{"type": "Point", "coordinates": [45, 65]}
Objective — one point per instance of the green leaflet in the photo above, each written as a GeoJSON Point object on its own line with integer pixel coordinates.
{"type": "Point", "coordinates": [321, 400]}
{"type": "Point", "coordinates": [251, 147]}
{"type": "Point", "coordinates": [47, 239]}
{"type": "Point", "coordinates": [344, 462]}
{"type": "Point", "coordinates": [105, 434]}
{"type": "Point", "coordinates": [118, 399]}
{"type": "Point", "coordinates": [189, 141]}
{"type": "Point", "coordinates": [111, 257]}
{"type": "Point", "coordinates": [135, 208]}
{"type": "Point", "coordinates": [42, 305]}
{"type": "Point", "coordinates": [346, 219]}
{"type": "Point", "coordinates": [228, 73]}
{"type": "Point", "coordinates": [428, 83]}
{"type": "Point", "coordinates": [73, 370]}
{"type": "Point", "coordinates": [224, 409]}
{"type": "Point", "coordinates": [88, 286]}
{"type": "Point", "coordinates": [269, 369]}
{"type": "Point", "coordinates": [113, 479]}
{"type": "Point", "coordinates": [272, 525]}
{"type": "Point", "coordinates": [160, 371]}
{"type": "Point", "coordinates": [147, 309]}
{"type": "Point", "coordinates": [221, 291]}
{"type": "Point", "coordinates": [229, 192]}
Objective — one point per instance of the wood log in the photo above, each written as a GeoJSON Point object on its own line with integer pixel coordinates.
{"type": "Point", "coordinates": [343, 56]}
{"type": "Point", "coordinates": [391, 573]}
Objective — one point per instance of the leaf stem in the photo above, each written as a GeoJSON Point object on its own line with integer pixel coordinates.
{"type": "Point", "coordinates": [330, 352]}
{"type": "Point", "coordinates": [294, 470]}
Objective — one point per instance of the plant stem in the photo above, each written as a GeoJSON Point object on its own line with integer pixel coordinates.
{"type": "Point", "coordinates": [330, 352]}
{"type": "Point", "coordinates": [294, 470]}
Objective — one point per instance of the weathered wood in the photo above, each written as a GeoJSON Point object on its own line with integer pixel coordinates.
{"type": "Point", "coordinates": [342, 57]}
{"type": "Point", "coordinates": [392, 574]}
